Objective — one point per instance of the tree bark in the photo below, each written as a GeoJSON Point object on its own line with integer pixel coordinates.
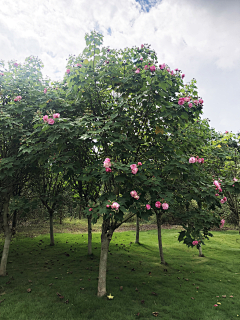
{"type": "Point", "coordinates": [137, 230]}
{"type": "Point", "coordinates": [200, 251]}
{"type": "Point", "coordinates": [14, 222]}
{"type": "Point", "coordinates": [8, 235]}
{"type": "Point", "coordinates": [51, 228]}
{"type": "Point", "coordinates": [89, 235]}
{"type": "Point", "coordinates": [159, 224]}
{"type": "Point", "coordinates": [106, 237]}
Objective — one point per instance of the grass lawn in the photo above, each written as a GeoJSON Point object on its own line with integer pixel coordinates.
{"type": "Point", "coordinates": [187, 288]}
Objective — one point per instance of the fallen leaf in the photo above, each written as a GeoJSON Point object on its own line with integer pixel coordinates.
{"type": "Point", "coordinates": [154, 293]}
{"type": "Point", "coordinates": [110, 297]}
{"type": "Point", "coordinates": [231, 296]}
{"type": "Point", "coordinates": [218, 302]}
{"type": "Point", "coordinates": [197, 288]}
{"type": "Point", "coordinates": [217, 296]}
{"type": "Point", "coordinates": [8, 282]}
{"type": "Point", "coordinates": [67, 301]}
{"type": "Point", "coordinates": [51, 284]}
{"type": "Point", "coordinates": [224, 296]}
{"type": "Point", "coordinates": [136, 289]}
{"type": "Point", "coordinates": [30, 281]}
{"type": "Point", "coordinates": [58, 294]}
{"type": "Point", "coordinates": [29, 290]}
{"type": "Point", "coordinates": [121, 288]}
{"type": "Point", "coordinates": [192, 298]}
{"type": "Point", "coordinates": [215, 305]}
{"type": "Point", "coordinates": [155, 314]}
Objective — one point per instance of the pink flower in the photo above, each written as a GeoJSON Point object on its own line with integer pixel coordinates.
{"type": "Point", "coordinates": [172, 72]}
{"type": "Point", "coordinates": [181, 101]}
{"type": "Point", "coordinates": [225, 199]}
{"type": "Point", "coordinates": [134, 170]}
{"type": "Point", "coordinates": [108, 170]}
{"type": "Point", "coordinates": [187, 99]}
{"type": "Point", "coordinates": [68, 71]}
{"type": "Point", "coordinates": [90, 209]}
{"type": "Point", "coordinates": [233, 185]}
{"type": "Point", "coordinates": [148, 207]}
{"type": "Point", "coordinates": [168, 69]}
{"type": "Point", "coordinates": [195, 102]}
{"type": "Point", "coordinates": [45, 90]}
{"type": "Point", "coordinates": [18, 98]}
{"type": "Point", "coordinates": [158, 204]}
{"type": "Point", "coordinates": [200, 101]}
{"type": "Point", "coordinates": [107, 205]}
{"type": "Point", "coordinates": [132, 166]}
{"type": "Point", "coordinates": [45, 118]}
{"type": "Point", "coordinates": [190, 105]}
{"type": "Point", "coordinates": [139, 163]}
{"type": "Point", "coordinates": [194, 243]}
{"type": "Point", "coordinates": [192, 160]}
{"type": "Point", "coordinates": [222, 223]}
{"type": "Point", "coordinates": [200, 160]}
{"type": "Point", "coordinates": [1, 74]}
{"type": "Point", "coordinates": [226, 131]}
{"type": "Point", "coordinates": [15, 64]}
{"type": "Point", "coordinates": [220, 189]}
{"type": "Point", "coordinates": [137, 71]}
{"type": "Point", "coordinates": [133, 193]}
{"type": "Point", "coordinates": [50, 121]}
{"type": "Point", "coordinates": [235, 179]}
{"type": "Point", "coordinates": [183, 75]}
{"type": "Point", "coordinates": [216, 194]}
{"type": "Point", "coordinates": [216, 183]}
{"type": "Point", "coordinates": [56, 115]}
{"type": "Point", "coordinates": [136, 197]}
{"type": "Point", "coordinates": [146, 67]}
{"type": "Point", "coordinates": [78, 65]}
{"type": "Point", "coordinates": [162, 66]}
{"type": "Point", "coordinates": [165, 206]}
{"type": "Point", "coordinates": [141, 58]}
{"type": "Point", "coordinates": [176, 69]}
{"type": "Point", "coordinates": [107, 163]}
{"type": "Point", "coordinates": [115, 205]}
{"type": "Point", "coordinates": [222, 201]}
{"type": "Point", "coordinates": [152, 68]}
{"type": "Point", "coordinates": [216, 305]}
{"type": "Point", "coordinates": [142, 46]}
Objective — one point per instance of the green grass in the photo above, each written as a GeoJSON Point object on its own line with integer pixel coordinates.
{"type": "Point", "coordinates": [129, 265]}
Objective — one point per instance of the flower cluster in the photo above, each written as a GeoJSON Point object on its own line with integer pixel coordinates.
{"type": "Point", "coordinates": [18, 98]}
{"type": "Point", "coordinates": [115, 205]}
{"type": "Point", "coordinates": [158, 204]}
{"type": "Point", "coordinates": [1, 74]}
{"type": "Point", "coordinates": [222, 223]}
{"type": "Point", "coordinates": [183, 100]}
{"type": "Point", "coordinates": [50, 120]}
{"type": "Point", "coordinates": [134, 194]}
{"type": "Point", "coordinates": [218, 187]}
{"type": "Point", "coordinates": [223, 200]}
{"type": "Point", "coordinates": [68, 71]}
{"type": "Point", "coordinates": [134, 167]}
{"type": "Point", "coordinates": [194, 243]}
{"type": "Point", "coordinates": [107, 164]}
{"type": "Point", "coordinates": [45, 90]}
{"type": "Point", "coordinates": [197, 159]}
{"type": "Point", "coordinates": [235, 179]}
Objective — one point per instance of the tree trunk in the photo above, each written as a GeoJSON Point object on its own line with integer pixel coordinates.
{"type": "Point", "coordinates": [105, 241]}
{"type": "Point", "coordinates": [200, 251]}
{"type": "Point", "coordinates": [14, 222]}
{"type": "Point", "coordinates": [80, 213]}
{"type": "Point", "coordinates": [159, 223]}
{"type": "Point", "coordinates": [89, 235]}
{"type": "Point", "coordinates": [137, 230]}
{"type": "Point", "coordinates": [51, 228]}
{"type": "Point", "coordinates": [8, 235]}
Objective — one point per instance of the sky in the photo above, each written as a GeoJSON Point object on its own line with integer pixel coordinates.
{"type": "Point", "coordinates": [199, 37]}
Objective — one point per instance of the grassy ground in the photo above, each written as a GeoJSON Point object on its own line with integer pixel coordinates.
{"type": "Point", "coordinates": [187, 288]}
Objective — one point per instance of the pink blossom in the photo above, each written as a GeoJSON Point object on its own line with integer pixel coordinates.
{"type": "Point", "coordinates": [216, 305]}
{"type": "Point", "coordinates": [45, 118]}
{"type": "Point", "coordinates": [50, 121]}
{"type": "Point", "coordinates": [220, 189]}
{"type": "Point", "coordinates": [107, 205]}
{"type": "Point", "coordinates": [137, 71]}
{"type": "Point", "coordinates": [181, 101]}
{"type": "Point", "coordinates": [216, 194]}
{"type": "Point", "coordinates": [152, 68]}
{"type": "Point", "coordinates": [134, 170]}
{"type": "Point", "coordinates": [192, 160]}
{"type": "Point", "coordinates": [183, 75]}
{"type": "Point", "coordinates": [216, 183]}
{"type": "Point", "coordinates": [107, 163]}
{"type": "Point", "coordinates": [146, 67]}
{"type": "Point", "coordinates": [132, 166]}
{"type": "Point", "coordinates": [187, 99]}
{"type": "Point", "coordinates": [168, 69]}
{"type": "Point", "coordinates": [15, 64]}
{"type": "Point", "coordinates": [142, 46]}
{"type": "Point", "coordinates": [200, 160]}
{"type": "Point", "coordinates": [148, 207]}
{"type": "Point", "coordinates": [45, 90]}
{"type": "Point", "coordinates": [141, 58]}
{"type": "Point", "coordinates": [1, 74]}
{"type": "Point", "coordinates": [115, 205]}
{"type": "Point", "coordinates": [90, 209]}
{"type": "Point", "coordinates": [133, 193]}
{"type": "Point", "coordinates": [226, 131]}
{"type": "Point", "coordinates": [225, 198]}
{"type": "Point", "coordinates": [194, 243]}
{"type": "Point", "coordinates": [56, 115]}
{"type": "Point", "coordinates": [165, 206]}
{"type": "Point", "coordinates": [78, 65]}
{"type": "Point", "coordinates": [200, 101]}
{"type": "Point", "coordinates": [162, 66]}
{"type": "Point", "coordinates": [18, 98]}
{"type": "Point", "coordinates": [235, 179]}
{"type": "Point", "coordinates": [233, 185]}
{"type": "Point", "coordinates": [190, 105]}
{"type": "Point", "coordinates": [68, 71]}
{"type": "Point", "coordinates": [176, 69]}
{"type": "Point", "coordinates": [172, 72]}
{"type": "Point", "coordinates": [158, 204]}
{"type": "Point", "coordinates": [195, 102]}
{"type": "Point", "coordinates": [139, 163]}
{"type": "Point", "coordinates": [222, 201]}
{"type": "Point", "coordinates": [222, 223]}
{"type": "Point", "coordinates": [108, 170]}
{"type": "Point", "coordinates": [136, 197]}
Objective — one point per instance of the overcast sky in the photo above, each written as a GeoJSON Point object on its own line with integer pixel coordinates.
{"type": "Point", "coordinates": [200, 37]}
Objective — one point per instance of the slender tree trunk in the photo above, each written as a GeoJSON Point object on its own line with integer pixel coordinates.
{"type": "Point", "coordinates": [51, 228]}
{"type": "Point", "coordinates": [80, 213]}
{"type": "Point", "coordinates": [14, 222]}
{"type": "Point", "coordinates": [8, 235]}
{"type": "Point", "coordinates": [105, 241]}
{"type": "Point", "coordinates": [60, 220]}
{"type": "Point", "coordinates": [159, 224]}
{"type": "Point", "coordinates": [89, 235]}
{"type": "Point", "coordinates": [137, 230]}
{"type": "Point", "coordinates": [200, 251]}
